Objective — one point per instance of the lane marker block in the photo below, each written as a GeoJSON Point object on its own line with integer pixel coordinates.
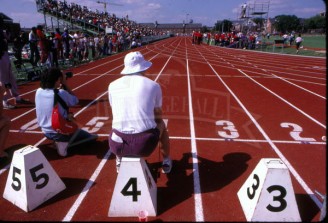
{"type": "Point", "coordinates": [268, 194]}
{"type": "Point", "coordinates": [135, 190]}
{"type": "Point", "coordinates": [31, 179]}
{"type": "Point", "coordinates": [324, 205]}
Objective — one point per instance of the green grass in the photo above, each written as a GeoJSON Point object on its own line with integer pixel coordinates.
{"type": "Point", "coordinates": [318, 41]}
{"type": "Point", "coordinates": [309, 42]}
{"type": "Point", "coordinates": [313, 41]}
{"type": "Point", "coordinates": [290, 50]}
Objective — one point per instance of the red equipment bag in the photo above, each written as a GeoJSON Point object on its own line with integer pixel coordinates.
{"type": "Point", "coordinates": [59, 123]}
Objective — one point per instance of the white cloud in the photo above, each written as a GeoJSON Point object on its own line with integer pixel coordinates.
{"type": "Point", "coordinates": [142, 11]}
{"type": "Point", "coordinates": [154, 6]}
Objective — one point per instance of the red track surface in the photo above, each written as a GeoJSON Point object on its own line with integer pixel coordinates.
{"type": "Point", "coordinates": [258, 93]}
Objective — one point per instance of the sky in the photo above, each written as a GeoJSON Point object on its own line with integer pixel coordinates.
{"type": "Point", "coordinates": [206, 12]}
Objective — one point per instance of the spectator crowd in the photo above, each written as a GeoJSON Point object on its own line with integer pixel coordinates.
{"type": "Point", "coordinates": [44, 47]}
{"type": "Point", "coordinates": [250, 40]}
{"type": "Point", "coordinates": [92, 41]}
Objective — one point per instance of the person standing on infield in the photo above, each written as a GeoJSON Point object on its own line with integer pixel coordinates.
{"type": "Point", "coordinates": [298, 41]}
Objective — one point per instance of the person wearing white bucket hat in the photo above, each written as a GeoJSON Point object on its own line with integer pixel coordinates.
{"type": "Point", "coordinates": [136, 103]}
{"type": "Point", "coordinates": [134, 62]}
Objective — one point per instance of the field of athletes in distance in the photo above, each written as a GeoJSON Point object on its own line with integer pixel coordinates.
{"type": "Point", "coordinates": [247, 132]}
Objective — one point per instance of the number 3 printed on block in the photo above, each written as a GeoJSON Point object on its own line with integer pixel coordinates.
{"type": "Point", "coordinates": [282, 203]}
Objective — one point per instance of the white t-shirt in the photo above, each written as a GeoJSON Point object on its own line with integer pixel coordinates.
{"type": "Point", "coordinates": [133, 99]}
{"type": "Point", "coordinates": [44, 102]}
{"type": "Point", "coordinates": [298, 39]}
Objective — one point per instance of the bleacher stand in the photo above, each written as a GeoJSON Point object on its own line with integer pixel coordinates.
{"type": "Point", "coordinates": [83, 38]}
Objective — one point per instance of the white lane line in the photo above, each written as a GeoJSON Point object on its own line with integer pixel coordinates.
{"type": "Point", "coordinates": [84, 192]}
{"type": "Point", "coordinates": [93, 178]}
{"type": "Point", "coordinates": [170, 56]}
{"type": "Point", "coordinates": [284, 100]}
{"type": "Point", "coordinates": [199, 215]}
{"type": "Point", "coordinates": [273, 146]}
{"type": "Point", "coordinates": [285, 79]}
{"type": "Point", "coordinates": [80, 73]}
{"type": "Point", "coordinates": [210, 139]}
{"type": "Point", "coordinates": [17, 117]}
{"type": "Point", "coordinates": [87, 187]}
{"type": "Point", "coordinates": [106, 73]}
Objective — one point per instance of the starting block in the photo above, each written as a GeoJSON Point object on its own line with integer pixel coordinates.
{"type": "Point", "coordinates": [268, 194]}
{"type": "Point", "coordinates": [31, 179]}
{"type": "Point", "coordinates": [324, 205]}
{"type": "Point", "coordinates": [135, 190]}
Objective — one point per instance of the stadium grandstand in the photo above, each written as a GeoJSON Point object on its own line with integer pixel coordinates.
{"type": "Point", "coordinates": [60, 14]}
{"type": "Point", "coordinates": [92, 35]}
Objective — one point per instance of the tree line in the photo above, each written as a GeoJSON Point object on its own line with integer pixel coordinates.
{"type": "Point", "coordinates": [281, 23]}
{"type": "Point", "coordinates": [288, 23]}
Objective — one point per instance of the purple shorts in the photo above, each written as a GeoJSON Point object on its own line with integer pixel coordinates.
{"type": "Point", "coordinates": [134, 145]}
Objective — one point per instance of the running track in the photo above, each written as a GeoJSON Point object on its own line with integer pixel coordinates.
{"type": "Point", "coordinates": [226, 109]}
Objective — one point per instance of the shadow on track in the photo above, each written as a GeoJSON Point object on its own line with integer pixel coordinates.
{"type": "Point", "coordinates": [214, 176]}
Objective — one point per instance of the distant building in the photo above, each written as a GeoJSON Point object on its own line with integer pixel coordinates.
{"type": "Point", "coordinates": [5, 18]}
{"type": "Point", "coordinates": [10, 26]}
{"type": "Point", "coordinates": [174, 28]}
{"type": "Point", "coordinates": [249, 25]}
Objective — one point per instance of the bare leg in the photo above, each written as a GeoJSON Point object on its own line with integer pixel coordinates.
{"type": "Point", "coordinates": [164, 139]}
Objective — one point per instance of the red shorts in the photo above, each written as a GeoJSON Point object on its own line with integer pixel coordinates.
{"type": "Point", "coordinates": [133, 145]}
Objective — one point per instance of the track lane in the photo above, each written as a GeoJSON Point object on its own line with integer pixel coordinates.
{"type": "Point", "coordinates": [213, 152]}
{"type": "Point", "coordinates": [164, 80]}
{"type": "Point", "coordinates": [238, 89]}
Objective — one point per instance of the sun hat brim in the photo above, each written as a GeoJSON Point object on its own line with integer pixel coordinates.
{"type": "Point", "coordinates": [137, 68]}
{"type": "Point", "coordinates": [134, 62]}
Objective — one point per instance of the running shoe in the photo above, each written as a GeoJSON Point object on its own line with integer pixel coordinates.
{"type": "Point", "coordinates": [118, 163]}
{"type": "Point", "coordinates": [8, 106]}
{"type": "Point", "coordinates": [62, 148]}
{"type": "Point", "coordinates": [166, 165]}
